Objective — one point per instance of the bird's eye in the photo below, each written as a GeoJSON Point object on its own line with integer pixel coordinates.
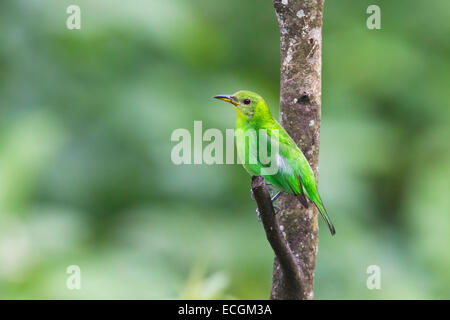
{"type": "Point", "coordinates": [247, 101]}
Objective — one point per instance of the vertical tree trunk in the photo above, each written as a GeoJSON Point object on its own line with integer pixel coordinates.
{"type": "Point", "coordinates": [300, 23]}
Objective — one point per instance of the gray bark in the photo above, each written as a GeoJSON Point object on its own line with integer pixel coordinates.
{"type": "Point", "coordinates": [300, 23]}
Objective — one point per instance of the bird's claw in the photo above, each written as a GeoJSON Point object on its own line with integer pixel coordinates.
{"type": "Point", "coordinates": [276, 209]}
{"type": "Point", "coordinates": [273, 198]}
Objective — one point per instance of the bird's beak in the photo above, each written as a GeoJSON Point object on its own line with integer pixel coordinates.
{"type": "Point", "coordinates": [228, 98]}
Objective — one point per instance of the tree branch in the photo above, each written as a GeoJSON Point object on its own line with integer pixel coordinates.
{"type": "Point", "coordinates": [292, 273]}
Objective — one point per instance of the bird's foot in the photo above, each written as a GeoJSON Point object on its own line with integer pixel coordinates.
{"type": "Point", "coordinates": [273, 199]}
{"type": "Point", "coordinates": [275, 207]}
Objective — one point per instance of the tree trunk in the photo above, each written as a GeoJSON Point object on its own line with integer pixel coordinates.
{"type": "Point", "coordinates": [300, 23]}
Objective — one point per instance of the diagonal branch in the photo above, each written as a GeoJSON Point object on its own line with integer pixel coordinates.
{"type": "Point", "coordinates": [294, 278]}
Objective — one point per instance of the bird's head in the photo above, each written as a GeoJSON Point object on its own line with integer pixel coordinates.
{"type": "Point", "coordinates": [247, 103]}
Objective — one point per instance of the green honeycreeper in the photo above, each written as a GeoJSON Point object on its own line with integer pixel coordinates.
{"type": "Point", "coordinates": [294, 174]}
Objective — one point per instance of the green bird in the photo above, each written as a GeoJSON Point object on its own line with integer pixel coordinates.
{"type": "Point", "coordinates": [293, 173]}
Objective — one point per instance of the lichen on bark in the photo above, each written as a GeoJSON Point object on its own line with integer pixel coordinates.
{"type": "Point", "coordinates": [300, 23]}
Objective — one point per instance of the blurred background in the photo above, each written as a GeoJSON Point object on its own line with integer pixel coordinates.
{"type": "Point", "coordinates": [86, 177]}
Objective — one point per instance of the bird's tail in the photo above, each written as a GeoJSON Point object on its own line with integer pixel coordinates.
{"type": "Point", "coordinates": [324, 214]}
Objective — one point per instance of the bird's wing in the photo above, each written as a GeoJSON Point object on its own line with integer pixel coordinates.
{"type": "Point", "coordinates": [292, 162]}
{"type": "Point", "coordinates": [288, 174]}
{"type": "Point", "coordinates": [295, 171]}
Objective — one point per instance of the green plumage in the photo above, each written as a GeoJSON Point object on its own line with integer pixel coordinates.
{"type": "Point", "coordinates": [254, 126]}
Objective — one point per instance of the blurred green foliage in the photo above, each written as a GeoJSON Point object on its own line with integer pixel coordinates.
{"type": "Point", "coordinates": [85, 173]}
